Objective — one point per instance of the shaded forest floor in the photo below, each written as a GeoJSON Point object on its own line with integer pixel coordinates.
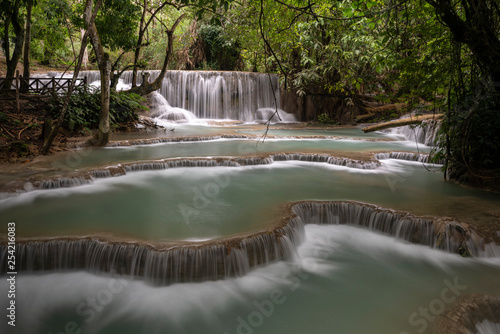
{"type": "Point", "coordinates": [21, 135]}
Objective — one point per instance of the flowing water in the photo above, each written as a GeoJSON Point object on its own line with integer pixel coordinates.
{"type": "Point", "coordinates": [343, 280]}
{"type": "Point", "coordinates": [221, 182]}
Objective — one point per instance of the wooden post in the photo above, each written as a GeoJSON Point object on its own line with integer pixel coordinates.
{"type": "Point", "coordinates": [18, 107]}
{"type": "Point", "coordinates": [53, 86]}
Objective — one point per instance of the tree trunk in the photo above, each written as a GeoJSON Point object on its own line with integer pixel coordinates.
{"type": "Point", "coordinates": [477, 32]}
{"type": "Point", "coordinates": [146, 87]}
{"type": "Point", "coordinates": [85, 60]}
{"type": "Point", "coordinates": [137, 52]}
{"type": "Point", "coordinates": [90, 16]}
{"type": "Point", "coordinates": [47, 123]}
{"type": "Point", "coordinates": [102, 137]}
{"type": "Point", "coordinates": [103, 132]}
{"type": "Point", "coordinates": [27, 47]}
{"type": "Point", "coordinates": [12, 17]}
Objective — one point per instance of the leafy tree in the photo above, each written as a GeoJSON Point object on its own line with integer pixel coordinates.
{"type": "Point", "coordinates": [51, 29]}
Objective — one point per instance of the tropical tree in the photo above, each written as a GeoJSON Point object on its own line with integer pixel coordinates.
{"type": "Point", "coordinates": [12, 16]}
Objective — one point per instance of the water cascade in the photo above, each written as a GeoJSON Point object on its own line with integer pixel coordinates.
{"type": "Point", "coordinates": [87, 177]}
{"type": "Point", "coordinates": [167, 263]}
{"type": "Point", "coordinates": [215, 95]}
{"type": "Point", "coordinates": [409, 156]}
{"type": "Point", "coordinates": [160, 108]}
{"type": "Point", "coordinates": [425, 134]}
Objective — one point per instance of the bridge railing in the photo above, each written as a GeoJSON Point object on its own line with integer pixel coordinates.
{"type": "Point", "coordinates": [41, 86]}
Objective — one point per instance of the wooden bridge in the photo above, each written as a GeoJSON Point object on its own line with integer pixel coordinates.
{"type": "Point", "coordinates": [35, 88]}
{"type": "Point", "coordinates": [39, 86]}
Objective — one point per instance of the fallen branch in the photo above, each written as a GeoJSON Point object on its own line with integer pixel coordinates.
{"type": "Point", "coordinates": [7, 131]}
{"type": "Point", "coordinates": [19, 134]}
{"type": "Point", "coordinates": [402, 122]}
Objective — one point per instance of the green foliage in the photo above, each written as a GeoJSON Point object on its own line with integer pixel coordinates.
{"type": "Point", "coordinates": [326, 119]}
{"type": "Point", "coordinates": [20, 148]}
{"type": "Point", "coordinates": [84, 107]}
{"type": "Point", "coordinates": [3, 118]}
{"type": "Point", "coordinates": [221, 51]}
{"type": "Point", "coordinates": [50, 28]}
{"type": "Point", "coordinates": [473, 134]}
{"type": "Point", "coordinates": [116, 21]}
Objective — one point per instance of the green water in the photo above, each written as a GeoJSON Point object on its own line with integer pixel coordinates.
{"type": "Point", "coordinates": [223, 147]}
{"type": "Point", "coordinates": [344, 280]}
{"type": "Point", "coordinates": [209, 202]}
{"type": "Point", "coordinates": [340, 132]}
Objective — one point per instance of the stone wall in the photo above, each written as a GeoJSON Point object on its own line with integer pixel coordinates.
{"type": "Point", "coordinates": [309, 107]}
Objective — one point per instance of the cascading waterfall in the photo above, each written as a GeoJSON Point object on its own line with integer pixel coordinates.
{"type": "Point", "coordinates": [122, 169]}
{"type": "Point", "coordinates": [408, 156]}
{"type": "Point", "coordinates": [160, 108]}
{"type": "Point", "coordinates": [215, 95]}
{"type": "Point", "coordinates": [235, 256]}
{"type": "Point", "coordinates": [273, 115]}
{"type": "Point", "coordinates": [164, 264]}
{"type": "Point", "coordinates": [446, 235]}
{"type": "Point", "coordinates": [339, 161]}
{"type": "Point", "coordinates": [425, 134]}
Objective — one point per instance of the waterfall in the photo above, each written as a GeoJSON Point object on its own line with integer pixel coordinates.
{"type": "Point", "coordinates": [63, 182]}
{"type": "Point", "coordinates": [160, 108]}
{"type": "Point", "coordinates": [409, 156]}
{"type": "Point", "coordinates": [215, 94]}
{"type": "Point", "coordinates": [425, 134]}
{"type": "Point", "coordinates": [447, 235]}
{"type": "Point", "coordinates": [160, 265]}
{"type": "Point", "coordinates": [87, 177]}
{"type": "Point", "coordinates": [339, 161]}
{"type": "Point", "coordinates": [273, 115]}
{"type": "Point", "coordinates": [166, 263]}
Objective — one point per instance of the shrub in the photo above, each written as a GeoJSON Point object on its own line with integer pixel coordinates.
{"type": "Point", "coordinates": [325, 119]}
{"type": "Point", "coordinates": [84, 108]}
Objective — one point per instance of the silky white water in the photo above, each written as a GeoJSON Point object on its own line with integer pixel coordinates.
{"type": "Point", "coordinates": [224, 147]}
{"type": "Point", "coordinates": [343, 280]}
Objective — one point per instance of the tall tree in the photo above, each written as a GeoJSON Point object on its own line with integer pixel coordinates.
{"type": "Point", "coordinates": [475, 23]}
{"type": "Point", "coordinates": [90, 15]}
{"type": "Point", "coordinates": [104, 65]}
{"type": "Point", "coordinates": [11, 15]}
{"type": "Point", "coordinates": [27, 41]}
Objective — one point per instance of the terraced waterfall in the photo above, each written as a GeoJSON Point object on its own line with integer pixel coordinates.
{"type": "Point", "coordinates": [202, 227]}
